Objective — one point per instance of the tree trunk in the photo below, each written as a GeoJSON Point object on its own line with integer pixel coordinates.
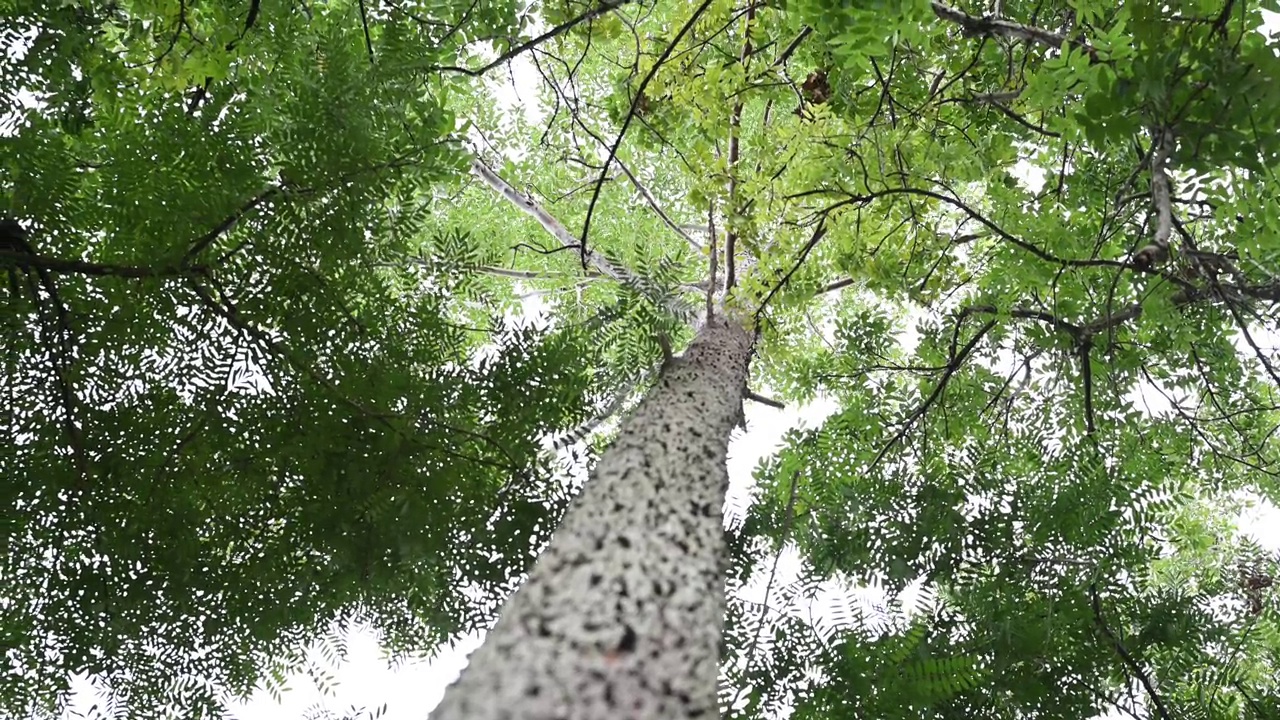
{"type": "Point", "coordinates": [621, 617]}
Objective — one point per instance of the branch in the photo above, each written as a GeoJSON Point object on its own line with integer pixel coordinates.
{"type": "Point", "coordinates": [735, 124]}
{"type": "Point", "coordinates": [525, 274]}
{"type": "Point", "coordinates": [605, 6]}
{"type": "Point", "coordinates": [567, 241]}
{"type": "Point", "coordinates": [1267, 292]}
{"type": "Point", "coordinates": [11, 258]}
{"type": "Point", "coordinates": [818, 233]}
{"type": "Point", "coordinates": [837, 285]}
{"type": "Point", "coordinates": [227, 223]}
{"type": "Point", "coordinates": [364, 23]}
{"type": "Point", "coordinates": [791, 48]}
{"type": "Point", "coordinates": [995, 98]}
{"type": "Point", "coordinates": [1161, 198]}
{"type": "Point", "coordinates": [56, 336]}
{"type": "Point", "coordinates": [55, 333]}
{"type": "Point", "coordinates": [1052, 320]}
{"type": "Point", "coordinates": [765, 400]}
{"type": "Point", "coordinates": [653, 203]}
{"type": "Point", "coordinates": [524, 202]}
{"type": "Point", "coordinates": [974, 26]}
{"type": "Point", "coordinates": [846, 282]}
{"type": "Point", "coordinates": [1129, 662]}
{"type": "Point", "coordinates": [574, 116]}
{"type": "Point", "coordinates": [954, 362]}
{"type": "Point", "coordinates": [255, 6]}
{"type": "Point", "coordinates": [968, 211]}
{"type": "Point", "coordinates": [1009, 113]}
{"type": "Point", "coordinates": [495, 271]}
{"type": "Point", "coordinates": [631, 113]}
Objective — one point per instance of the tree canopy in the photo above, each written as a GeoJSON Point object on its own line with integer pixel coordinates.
{"type": "Point", "coordinates": [262, 261]}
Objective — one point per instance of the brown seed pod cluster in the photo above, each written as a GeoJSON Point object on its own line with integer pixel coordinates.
{"type": "Point", "coordinates": [816, 89]}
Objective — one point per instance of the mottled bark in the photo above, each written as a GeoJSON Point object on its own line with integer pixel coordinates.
{"type": "Point", "coordinates": [621, 617]}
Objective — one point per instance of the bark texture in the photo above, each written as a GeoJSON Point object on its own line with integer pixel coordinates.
{"type": "Point", "coordinates": [621, 617]}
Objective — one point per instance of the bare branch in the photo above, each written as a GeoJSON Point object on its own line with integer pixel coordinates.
{"type": "Point", "coordinates": [525, 203]}
{"type": "Point", "coordinates": [1157, 251]}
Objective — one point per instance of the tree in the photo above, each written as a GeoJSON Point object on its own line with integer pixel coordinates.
{"type": "Point", "coordinates": [991, 234]}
